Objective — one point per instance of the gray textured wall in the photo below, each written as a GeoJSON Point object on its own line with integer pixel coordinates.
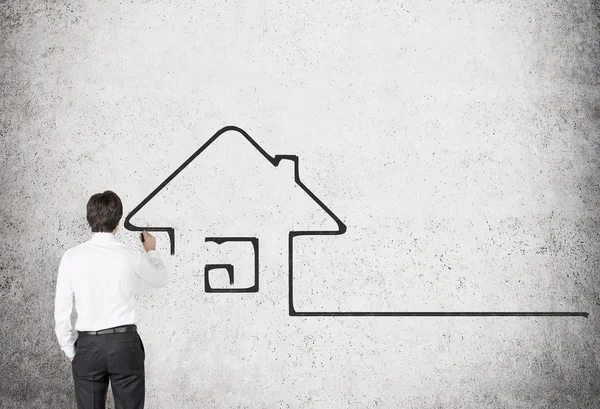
{"type": "Point", "coordinates": [458, 141]}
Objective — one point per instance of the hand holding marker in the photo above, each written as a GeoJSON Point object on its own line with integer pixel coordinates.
{"type": "Point", "coordinates": [148, 241]}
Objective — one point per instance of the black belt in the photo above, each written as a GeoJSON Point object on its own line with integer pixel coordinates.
{"type": "Point", "coordinates": [122, 328]}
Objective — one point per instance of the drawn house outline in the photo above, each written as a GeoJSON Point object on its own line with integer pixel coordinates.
{"type": "Point", "coordinates": [273, 160]}
{"type": "Point", "coordinates": [341, 229]}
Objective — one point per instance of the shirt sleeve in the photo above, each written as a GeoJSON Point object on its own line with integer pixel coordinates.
{"type": "Point", "coordinates": [151, 269]}
{"type": "Point", "coordinates": [63, 307]}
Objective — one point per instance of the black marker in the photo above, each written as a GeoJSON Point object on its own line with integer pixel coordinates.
{"type": "Point", "coordinates": [142, 237]}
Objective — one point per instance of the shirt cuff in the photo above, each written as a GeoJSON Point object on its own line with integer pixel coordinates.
{"type": "Point", "coordinates": [153, 254]}
{"type": "Point", "coordinates": [69, 352]}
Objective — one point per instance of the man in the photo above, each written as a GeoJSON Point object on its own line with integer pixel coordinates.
{"type": "Point", "coordinates": [104, 274]}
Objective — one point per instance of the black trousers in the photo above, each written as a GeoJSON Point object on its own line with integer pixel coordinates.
{"type": "Point", "coordinates": [116, 357]}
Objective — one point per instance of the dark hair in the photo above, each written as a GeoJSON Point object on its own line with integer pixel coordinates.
{"type": "Point", "coordinates": [104, 210]}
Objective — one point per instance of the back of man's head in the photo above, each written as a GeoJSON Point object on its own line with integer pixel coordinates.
{"type": "Point", "coordinates": [104, 210]}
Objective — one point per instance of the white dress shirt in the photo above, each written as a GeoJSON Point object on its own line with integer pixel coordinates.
{"type": "Point", "coordinates": [104, 275]}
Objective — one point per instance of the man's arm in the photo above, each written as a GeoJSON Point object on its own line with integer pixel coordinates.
{"type": "Point", "coordinates": [150, 266]}
{"type": "Point", "coordinates": [63, 307]}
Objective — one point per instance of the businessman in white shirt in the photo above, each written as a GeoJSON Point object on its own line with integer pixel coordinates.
{"type": "Point", "coordinates": [103, 275]}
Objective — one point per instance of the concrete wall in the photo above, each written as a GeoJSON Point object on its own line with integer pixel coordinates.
{"type": "Point", "coordinates": [458, 141]}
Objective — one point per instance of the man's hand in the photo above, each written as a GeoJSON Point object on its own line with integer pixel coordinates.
{"type": "Point", "coordinates": [149, 241]}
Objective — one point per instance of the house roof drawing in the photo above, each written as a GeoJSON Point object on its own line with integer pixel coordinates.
{"type": "Point", "coordinates": [341, 229]}
{"type": "Point", "coordinates": [273, 160]}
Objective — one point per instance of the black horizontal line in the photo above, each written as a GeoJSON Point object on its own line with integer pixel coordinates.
{"type": "Point", "coordinates": [441, 314]}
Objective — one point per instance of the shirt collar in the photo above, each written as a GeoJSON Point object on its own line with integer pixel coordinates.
{"type": "Point", "coordinates": [103, 236]}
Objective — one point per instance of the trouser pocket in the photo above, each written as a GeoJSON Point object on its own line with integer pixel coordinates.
{"type": "Point", "coordinates": [131, 355]}
{"type": "Point", "coordinates": [88, 359]}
